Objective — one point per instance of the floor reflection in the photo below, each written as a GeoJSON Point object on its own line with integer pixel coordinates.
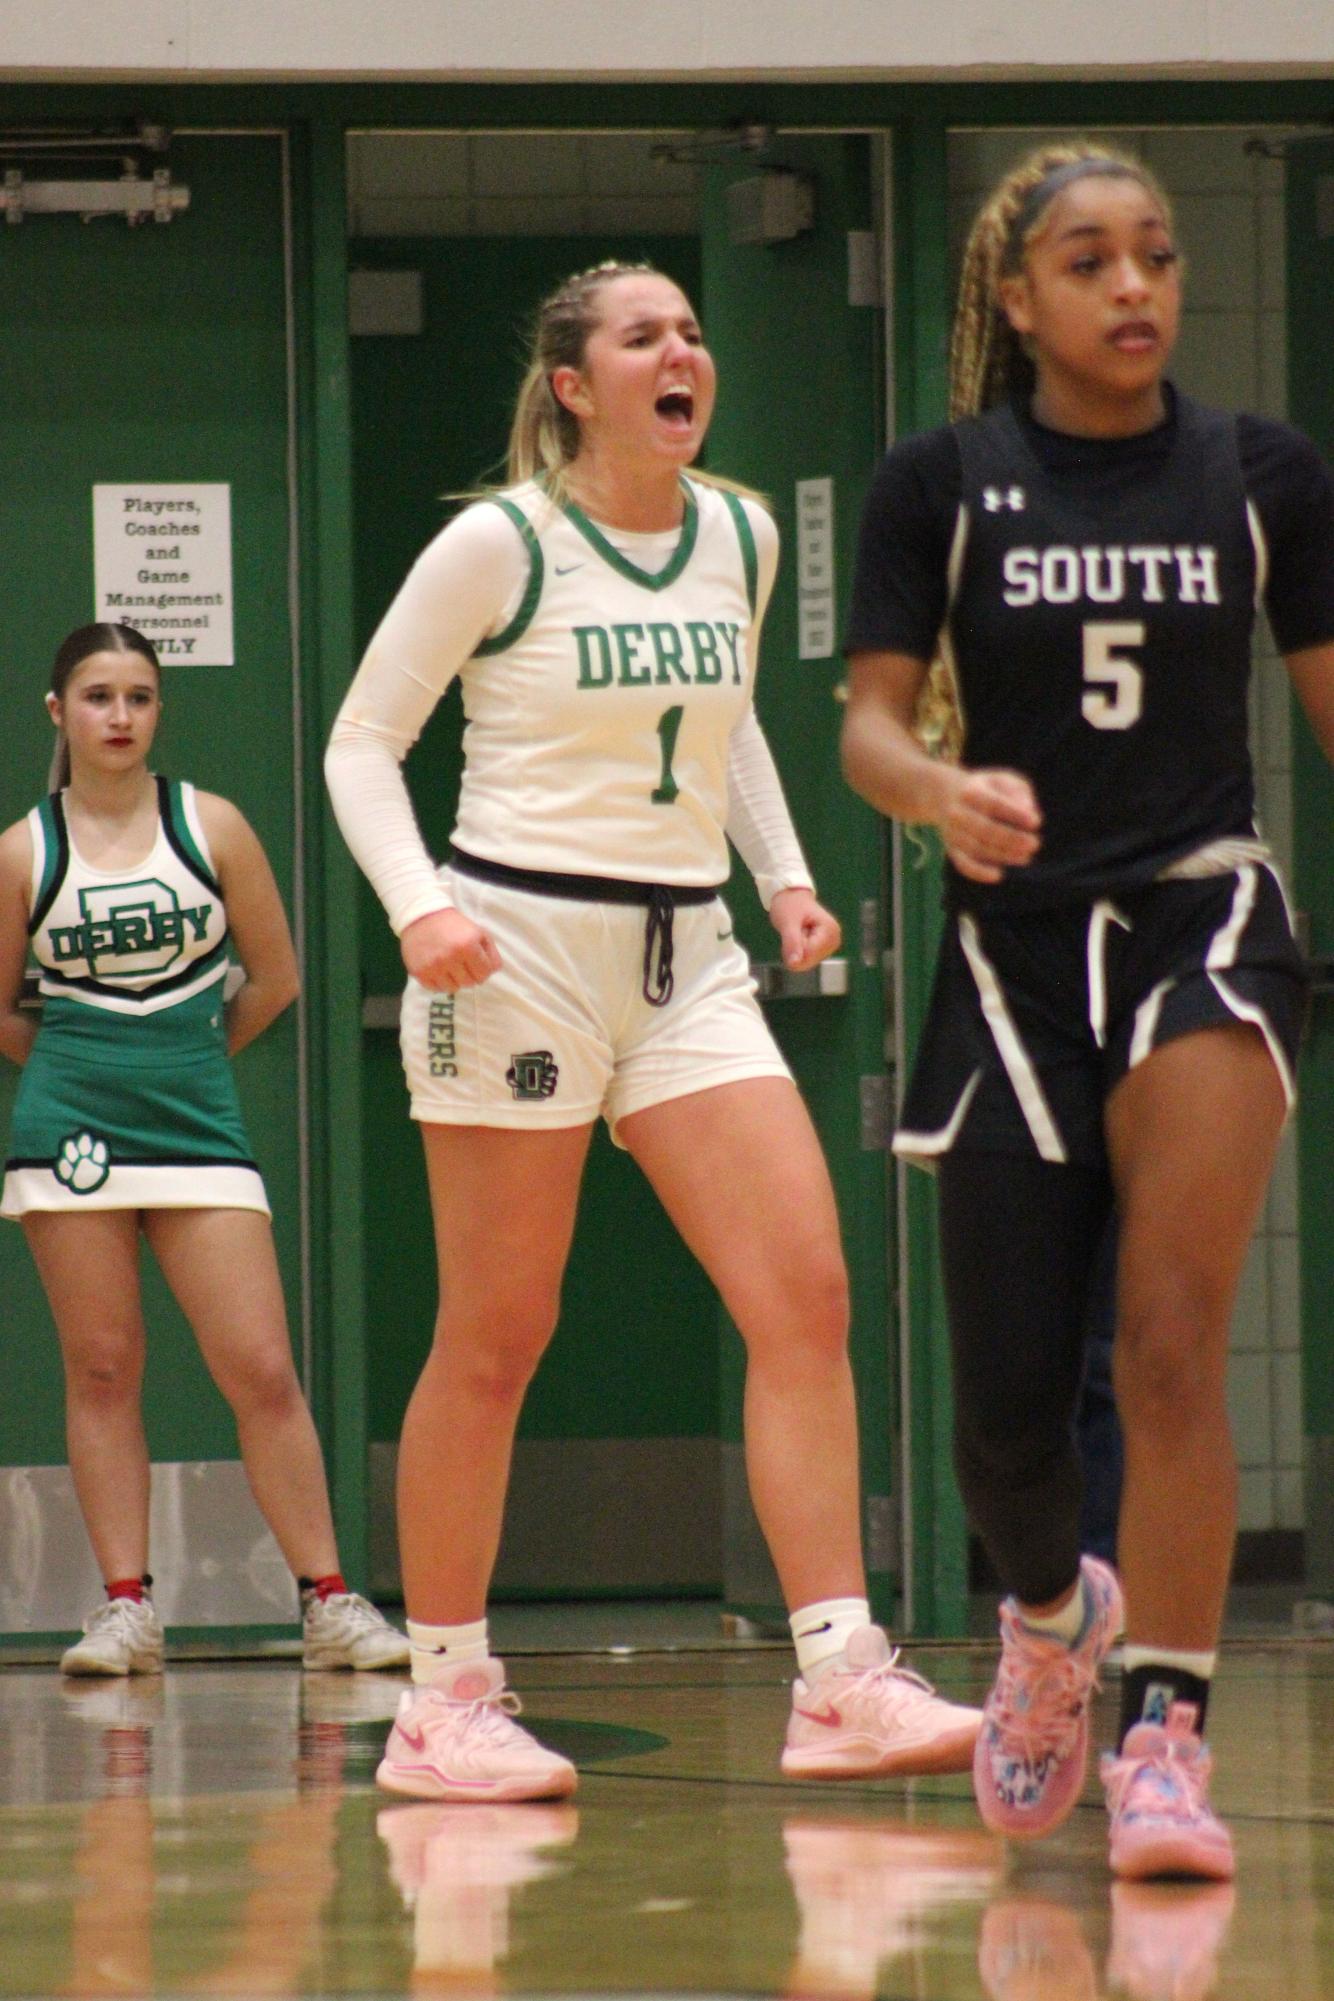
{"type": "Point", "coordinates": [457, 1869]}
{"type": "Point", "coordinates": [870, 1891]}
{"type": "Point", "coordinates": [218, 1832]}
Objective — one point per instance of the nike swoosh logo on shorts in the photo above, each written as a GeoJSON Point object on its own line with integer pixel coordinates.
{"type": "Point", "coordinates": [563, 569]}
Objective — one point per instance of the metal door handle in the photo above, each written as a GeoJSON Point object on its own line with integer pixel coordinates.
{"type": "Point", "coordinates": [775, 981]}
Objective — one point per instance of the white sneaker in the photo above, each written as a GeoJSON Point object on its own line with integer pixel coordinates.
{"type": "Point", "coordinates": [457, 1740]}
{"type": "Point", "coordinates": [346, 1631]}
{"type": "Point", "coordinates": [124, 1636]}
{"type": "Point", "coordinates": [875, 1718]}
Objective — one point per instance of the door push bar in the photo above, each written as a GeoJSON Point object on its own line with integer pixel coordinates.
{"type": "Point", "coordinates": [773, 981]}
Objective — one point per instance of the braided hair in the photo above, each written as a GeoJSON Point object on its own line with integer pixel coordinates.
{"type": "Point", "coordinates": [544, 436]}
{"type": "Point", "coordinates": [988, 361]}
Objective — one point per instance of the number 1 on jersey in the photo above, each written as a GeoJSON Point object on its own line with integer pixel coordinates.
{"type": "Point", "coordinates": [1113, 685]}
{"type": "Point", "coordinates": [669, 728]}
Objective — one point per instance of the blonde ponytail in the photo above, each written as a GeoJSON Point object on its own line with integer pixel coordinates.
{"type": "Point", "coordinates": [544, 435]}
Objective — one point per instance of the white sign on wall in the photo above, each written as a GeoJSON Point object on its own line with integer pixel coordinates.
{"type": "Point", "coordinates": [815, 569]}
{"type": "Point", "coordinates": [162, 562]}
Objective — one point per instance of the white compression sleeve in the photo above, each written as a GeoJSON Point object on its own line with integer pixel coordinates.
{"type": "Point", "coordinates": [759, 824]}
{"type": "Point", "coordinates": [465, 584]}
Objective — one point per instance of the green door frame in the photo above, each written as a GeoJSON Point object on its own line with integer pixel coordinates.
{"type": "Point", "coordinates": [921, 115]}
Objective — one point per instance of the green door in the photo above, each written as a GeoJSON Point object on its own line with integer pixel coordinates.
{"type": "Point", "coordinates": [614, 1489]}
{"type": "Point", "coordinates": [156, 354]}
{"type": "Point", "coordinates": [799, 401]}
{"type": "Point", "coordinates": [1310, 204]}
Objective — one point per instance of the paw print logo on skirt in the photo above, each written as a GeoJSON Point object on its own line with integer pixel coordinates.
{"type": "Point", "coordinates": [83, 1162]}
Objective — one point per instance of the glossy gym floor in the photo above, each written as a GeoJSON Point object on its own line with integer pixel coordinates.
{"type": "Point", "coordinates": [218, 1831]}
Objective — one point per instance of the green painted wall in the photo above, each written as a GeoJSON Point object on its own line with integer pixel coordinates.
{"type": "Point", "coordinates": [138, 298]}
{"type": "Point", "coordinates": [799, 375]}
{"type": "Point", "coordinates": [154, 354]}
{"type": "Point", "coordinates": [635, 1354]}
{"type": "Point", "coordinates": [923, 292]}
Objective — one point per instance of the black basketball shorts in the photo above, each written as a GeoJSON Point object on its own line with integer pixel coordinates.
{"type": "Point", "coordinates": [1034, 1018]}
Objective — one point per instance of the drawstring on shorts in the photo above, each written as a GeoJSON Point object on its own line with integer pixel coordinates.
{"type": "Point", "coordinates": [661, 899]}
{"type": "Point", "coordinates": [658, 932]}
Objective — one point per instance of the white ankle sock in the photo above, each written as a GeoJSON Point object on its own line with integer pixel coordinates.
{"type": "Point", "coordinates": [437, 1647]}
{"type": "Point", "coordinates": [1200, 1665]}
{"type": "Point", "coordinates": [820, 1632]}
{"type": "Point", "coordinates": [1066, 1622]}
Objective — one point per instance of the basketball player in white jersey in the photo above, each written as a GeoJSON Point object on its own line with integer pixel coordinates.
{"type": "Point", "coordinates": [571, 961]}
{"type": "Point", "coordinates": [135, 894]}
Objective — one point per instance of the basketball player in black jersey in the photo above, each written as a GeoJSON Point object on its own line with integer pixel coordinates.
{"type": "Point", "coordinates": [1118, 1000]}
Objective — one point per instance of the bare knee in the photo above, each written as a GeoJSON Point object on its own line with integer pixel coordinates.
{"type": "Point", "coordinates": [823, 1307]}
{"type": "Point", "coordinates": [799, 1314]}
{"type": "Point", "coordinates": [106, 1373]}
{"type": "Point", "coordinates": [263, 1388]}
{"type": "Point", "coordinates": [490, 1352]}
{"type": "Point", "coordinates": [1170, 1363]}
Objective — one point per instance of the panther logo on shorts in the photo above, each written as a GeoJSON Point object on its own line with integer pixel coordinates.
{"type": "Point", "coordinates": [533, 1075]}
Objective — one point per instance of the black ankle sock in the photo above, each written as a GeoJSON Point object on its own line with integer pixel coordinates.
{"type": "Point", "coordinates": [1147, 1694]}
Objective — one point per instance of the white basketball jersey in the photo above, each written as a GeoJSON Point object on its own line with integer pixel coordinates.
{"type": "Point", "coordinates": [598, 720]}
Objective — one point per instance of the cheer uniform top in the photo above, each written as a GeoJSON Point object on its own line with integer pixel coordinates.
{"type": "Point", "coordinates": [1095, 599]}
{"type": "Point", "coordinates": [127, 1099]}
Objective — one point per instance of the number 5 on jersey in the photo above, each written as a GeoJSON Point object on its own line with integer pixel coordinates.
{"type": "Point", "coordinates": [1113, 684]}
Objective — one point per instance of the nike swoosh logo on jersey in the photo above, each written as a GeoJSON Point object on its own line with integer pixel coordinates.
{"type": "Point", "coordinates": [563, 569]}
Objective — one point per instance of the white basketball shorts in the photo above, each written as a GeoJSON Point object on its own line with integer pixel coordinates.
{"type": "Point", "coordinates": [563, 1034]}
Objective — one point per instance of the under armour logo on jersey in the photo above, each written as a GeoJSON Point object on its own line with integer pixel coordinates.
{"type": "Point", "coordinates": [1013, 497]}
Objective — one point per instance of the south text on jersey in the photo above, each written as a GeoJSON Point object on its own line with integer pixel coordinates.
{"type": "Point", "coordinates": [1149, 573]}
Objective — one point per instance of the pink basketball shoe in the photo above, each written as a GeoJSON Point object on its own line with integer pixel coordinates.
{"type": "Point", "coordinates": [1033, 1749]}
{"type": "Point", "coordinates": [457, 1740]}
{"type": "Point", "coordinates": [875, 1718]}
{"type": "Point", "coordinates": [1158, 1797]}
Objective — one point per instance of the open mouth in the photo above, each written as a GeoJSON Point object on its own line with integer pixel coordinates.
{"type": "Point", "coordinates": [1135, 336]}
{"type": "Point", "coordinates": [676, 406]}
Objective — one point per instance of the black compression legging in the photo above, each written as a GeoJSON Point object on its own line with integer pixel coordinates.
{"type": "Point", "coordinates": [1019, 1241]}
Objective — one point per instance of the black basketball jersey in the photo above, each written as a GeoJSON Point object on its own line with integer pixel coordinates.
{"type": "Point", "coordinates": [1099, 626]}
